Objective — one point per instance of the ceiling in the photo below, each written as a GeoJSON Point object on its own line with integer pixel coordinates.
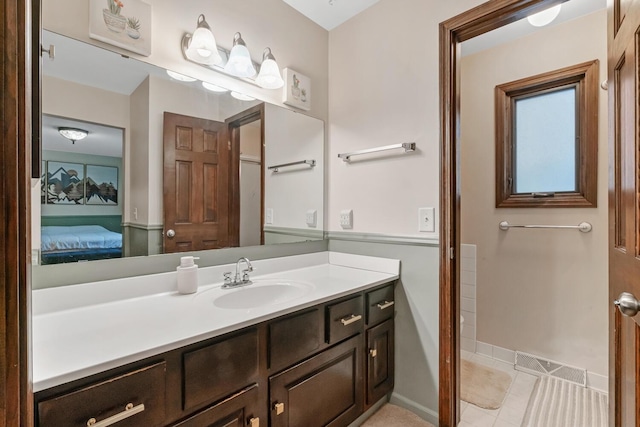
{"type": "Point", "coordinates": [330, 13]}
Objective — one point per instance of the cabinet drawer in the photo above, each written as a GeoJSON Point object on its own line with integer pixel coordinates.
{"type": "Point", "coordinates": [293, 338]}
{"type": "Point", "coordinates": [239, 410]}
{"type": "Point", "coordinates": [380, 305]}
{"type": "Point", "coordinates": [213, 372]}
{"type": "Point", "coordinates": [143, 391]}
{"type": "Point", "coordinates": [344, 319]}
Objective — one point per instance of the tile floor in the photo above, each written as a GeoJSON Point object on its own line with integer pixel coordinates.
{"type": "Point", "coordinates": [511, 413]}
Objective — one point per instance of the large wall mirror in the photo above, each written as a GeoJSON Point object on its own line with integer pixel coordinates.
{"type": "Point", "coordinates": [120, 183]}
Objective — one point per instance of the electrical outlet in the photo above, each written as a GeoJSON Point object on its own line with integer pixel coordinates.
{"type": "Point", "coordinates": [346, 219]}
{"type": "Point", "coordinates": [427, 220]}
{"type": "Point", "coordinates": [135, 213]}
{"type": "Point", "coordinates": [268, 218]}
{"type": "Point", "coordinates": [312, 218]}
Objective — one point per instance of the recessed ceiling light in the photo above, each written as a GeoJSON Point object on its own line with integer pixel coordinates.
{"type": "Point", "coordinates": [180, 77]}
{"type": "Point", "coordinates": [545, 17]}
{"type": "Point", "coordinates": [214, 88]}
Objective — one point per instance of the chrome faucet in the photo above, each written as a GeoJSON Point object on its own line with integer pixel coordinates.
{"type": "Point", "coordinates": [238, 280]}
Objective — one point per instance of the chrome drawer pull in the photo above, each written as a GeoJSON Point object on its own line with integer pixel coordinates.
{"type": "Point", "coordinates": [351, 319]}
{"type": "Point", "coordinates": [129, 411]}
{"type": "Point", "coordinates": [385, 304]}
{"type": "Point", "coordinates": [254, 422]}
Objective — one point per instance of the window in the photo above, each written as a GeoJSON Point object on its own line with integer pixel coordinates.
{"type": "Point", "coordinates": [547, 139]}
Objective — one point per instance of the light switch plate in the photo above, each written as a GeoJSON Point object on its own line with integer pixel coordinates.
{"type": "Point", "coordinates": [427, 220]}
{"type": "Point", "coordinates": [312, 218]}
{"type": "Point", "coordinates": [346, 219]}
{"type": "Point", "coordinates": [268, 218]}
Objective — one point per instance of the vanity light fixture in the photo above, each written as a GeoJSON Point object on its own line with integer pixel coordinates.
{"type": "Point", "coordinates": [180, 77]}
{"type": "Point", "coordinates": [240, 63]}
{"type": "Point", "coordinates": [242, 96]}
{"type": "Point", "coordinates": [269, 76]}
{"type": "Point", "coordinates": [545, 17]}
{"type": "Point", "coordinates": [214, 88]}
{"type": "Point", "coordinates": [201, 46]}
{"type": "Point", "coordinates": [73, 134]}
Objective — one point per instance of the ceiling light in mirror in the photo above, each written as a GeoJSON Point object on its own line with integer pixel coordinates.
{"type": "Point", "coordinates": [269, 76]}
{"type": "Point", "coordinates": [214, 88]}
{"type": "Point", "coordinates": [202, 47]}
{"type": "Point", "coordinates": [73, 134]}
{"type": "Point", "coordinates": [242, 96]}
{"type": "Point", "coordinates": [180, 77]}
{"type": "Point", "coordinates": [545, 17]}
{"type": "Point", "coordinates": [239, 63]}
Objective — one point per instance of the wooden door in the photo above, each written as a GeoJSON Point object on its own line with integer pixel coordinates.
{"type": "Point", "coordinates": [624, 214]}
{"type": "Point", "coordinates": [196, 184]}
{"type": "Point", "coordinates": [380, 361]}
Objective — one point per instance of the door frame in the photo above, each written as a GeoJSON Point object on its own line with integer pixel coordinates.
{"type": "Point", "coordinates": [233, 125]}
{"type": "Point", "coordinates": [16, 28]}
{"type": "Point", "coordinates": [474, 22]}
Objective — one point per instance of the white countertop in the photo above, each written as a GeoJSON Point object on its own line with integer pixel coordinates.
{"type": "Point", "coordinates": [81, 330]}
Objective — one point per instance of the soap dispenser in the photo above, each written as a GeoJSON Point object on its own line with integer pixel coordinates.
{"type": "Point", "coordinates": [187, 275]}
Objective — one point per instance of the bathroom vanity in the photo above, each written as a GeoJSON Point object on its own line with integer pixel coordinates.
{"type": "Point", "coordinates": [310, 343]}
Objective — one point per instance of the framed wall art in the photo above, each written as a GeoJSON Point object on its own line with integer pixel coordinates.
{"type": "Point", "coordinates": [122, 23]}
{"type": "Point", "coordinates": [297, 89]}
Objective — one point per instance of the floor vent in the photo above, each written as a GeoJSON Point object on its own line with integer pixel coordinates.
{"type": "Point", "coordinates": [537, 365]}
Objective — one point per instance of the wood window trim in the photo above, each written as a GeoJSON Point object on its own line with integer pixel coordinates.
{"type": "Point", "coordinates": [585, 78]}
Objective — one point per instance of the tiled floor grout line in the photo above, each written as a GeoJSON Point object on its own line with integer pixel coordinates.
{"type": "Point", "coordinates": [512, 410]}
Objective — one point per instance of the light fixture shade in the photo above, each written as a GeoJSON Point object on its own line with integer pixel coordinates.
{"type": "Point", "coordinates": [545, 17]}
{"type": "Point", "coordinates": [239, 63]}
{"type": "Point", "coordinates": [214, 88]}
{"type": "Point", "coordinates": [73, 134]}
{"type": "Point", "coordinates": [242, 96]}
{"type": "Point", "coordinates": [269, 76]}
{"type": "Point", "coordinates": [202, 47]}
{"type": "Point", "coordinates": [180, 77]}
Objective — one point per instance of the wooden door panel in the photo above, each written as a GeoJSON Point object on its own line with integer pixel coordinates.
{"type": "Point", "coordinates": [624, 219]}
{"type": "Point", "coordinates": [196, 183]}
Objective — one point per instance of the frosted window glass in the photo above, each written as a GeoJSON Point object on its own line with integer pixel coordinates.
{"type": "Point", "coordinates": [545, 142]}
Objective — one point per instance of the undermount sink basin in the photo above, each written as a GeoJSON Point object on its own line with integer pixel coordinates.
{"type": "Point", "coordinates": [262, 292]}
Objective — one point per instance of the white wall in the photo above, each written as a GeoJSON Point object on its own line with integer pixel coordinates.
{"type": "Point", "coordinates": [384, 86]}
{"type": "Point", "coordinates": [539, 291]}
{"type": "Point", "coordinates": [291, 138]}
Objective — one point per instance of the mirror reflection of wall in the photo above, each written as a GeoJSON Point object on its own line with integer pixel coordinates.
{"type": "Point", "coordinates": [87, 84]}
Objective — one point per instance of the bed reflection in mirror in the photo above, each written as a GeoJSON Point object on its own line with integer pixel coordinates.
{"type": "Point", "coordinates": [167, 164]}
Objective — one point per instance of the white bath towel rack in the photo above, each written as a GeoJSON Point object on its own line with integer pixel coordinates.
{"type": "Point", "coordinates": [585, 227]}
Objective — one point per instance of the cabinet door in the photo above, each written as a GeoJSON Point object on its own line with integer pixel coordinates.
{"type": "Point", "coordinates": [239, 410]}
{"type": "Point", "coordinates": [380, 361]}
{"type": "Point", "coordinates": [325, 390]}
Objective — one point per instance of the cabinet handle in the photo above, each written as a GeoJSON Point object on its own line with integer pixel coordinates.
{"type": "Point", "coordinates": [351, 319]}
{"type": "Point", "coordinates": [373, 352]}
{"type": "Point", "coordinates": [385, 304]}
{"type": "Point", "coordinates": [254, 422]}
{"type": "Point", "coordinates": [129, 411]}
{"type": "Point", "coordinates": [279, 408]}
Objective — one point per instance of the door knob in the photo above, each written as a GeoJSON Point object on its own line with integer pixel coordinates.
{"type": "Point", "coordinates": [627, 304]}
{"type": "Point", "coordinates": [171, 233]}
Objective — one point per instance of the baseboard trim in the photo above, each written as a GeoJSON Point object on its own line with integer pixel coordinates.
{"type": "Point", "coordinates": [421, 411]}
{"type": "Point", "coordinates": [595, 381]}
{"type": "Point", "coordinates": [364, 417]}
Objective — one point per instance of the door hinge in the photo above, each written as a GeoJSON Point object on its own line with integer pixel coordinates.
{"type": "Point", "coordinates": [451, 253]}
{"type": "Point", "coordinates": [229, 145]}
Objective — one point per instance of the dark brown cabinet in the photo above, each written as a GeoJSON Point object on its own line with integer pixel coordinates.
{"type": "Point", "coordinates": [322, 391]}
{"type": "Point", "coordinates": [320, 366]}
